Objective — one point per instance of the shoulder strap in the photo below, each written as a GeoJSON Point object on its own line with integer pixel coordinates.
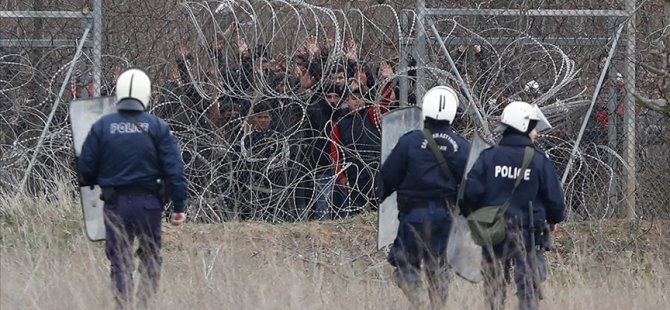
{"type": "Point", "coordinates": [527, 158]}
{"type": "Point", "coordinates": [440, 158]}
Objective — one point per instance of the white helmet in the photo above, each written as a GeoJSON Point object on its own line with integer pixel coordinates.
{"type": "Point", "coordinates": [518, 115]}
{"type": "Point", "coordinates": [133, 83]}
{"type": "Point", "coordinates": [440, 103]}
{"type": "Point", "coordinates": [542, 121]}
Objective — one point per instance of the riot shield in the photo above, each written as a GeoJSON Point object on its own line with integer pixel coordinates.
{"type": "Point", "coordinates": [83, 113]}
{"type": "Point", "coordinates": [463, 255]}
{"type": "Point", "coordinates": [394, 124]}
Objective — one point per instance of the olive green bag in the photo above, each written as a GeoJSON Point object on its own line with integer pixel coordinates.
{"type": "Point", "coordinates": [487, 224]}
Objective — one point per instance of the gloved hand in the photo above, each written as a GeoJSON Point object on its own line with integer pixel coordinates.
{"type": "Point", "coordinates": [380, 190]}
{"type": "Point", "coordinates": [80, 177]}
{"type": "Point", "coordinates": [547, 231]}
{"type": "Point", "coordinates": [83, 182]}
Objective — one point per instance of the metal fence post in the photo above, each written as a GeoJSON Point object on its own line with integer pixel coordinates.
{"type": "Point", "coordinates": [420, 51]}
{"type": "Point", "coordinates": [613, 121]}
{"type": "Point", "coordinates": [403, 79]}
{"type": "Point", "coordinates": [629, 112]}
{"type": "Point", "coordinates": [97, 47]}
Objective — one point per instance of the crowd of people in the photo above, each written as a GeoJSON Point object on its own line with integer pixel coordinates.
{"type": "Point", "coordinates": [276, 137]}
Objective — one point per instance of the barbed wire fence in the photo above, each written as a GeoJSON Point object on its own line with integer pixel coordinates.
{"type": "Point", "coordinates": [214, 82]}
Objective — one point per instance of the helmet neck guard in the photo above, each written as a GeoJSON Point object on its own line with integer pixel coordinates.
{"type": "Point", "coordinates": [129, 104]}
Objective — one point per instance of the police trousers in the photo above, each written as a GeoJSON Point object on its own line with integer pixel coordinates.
{"type": "Point", "coordinates": [514, 259]}
{"type": "Point", "coordinates": [127, 217]}
{"type": "Point", "coordinates": [422, 242]}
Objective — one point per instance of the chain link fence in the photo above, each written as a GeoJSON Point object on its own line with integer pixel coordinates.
{"type": "Point", "coordinates": [246, 85]}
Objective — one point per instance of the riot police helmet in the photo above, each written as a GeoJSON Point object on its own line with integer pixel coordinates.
{"type": "Point", "coordinates": [523, 117]}
{"type": "Point", "coordinates": [440, 103]}
{"type": "Point", "coordinates": [133, 90]}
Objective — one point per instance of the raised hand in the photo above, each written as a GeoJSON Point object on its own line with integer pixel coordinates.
{"type": "Point", "coordinates": [330, 43]}
{"type": "Point", "coordinates": [312, 46]}
{"type": "Point", "coordinates": [462, 48]}
{"type": "Point", "coordinates": [242, 46]}
{"type": "Point", "coordinates": [350, 49]}
{"type": "Point", "coordinates": [276, 63]}
{"type": "Point", "coordinates": [385, 70]}
{"type": "Point", "coordinates": [232, 28]}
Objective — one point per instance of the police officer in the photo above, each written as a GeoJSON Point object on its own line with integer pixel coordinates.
{"type": "Point", "coordinates": [425, 194]}
{"type": "Point", "coordinates": [126, 153]}
{"type": "Point", "coordinates": [539, 197]}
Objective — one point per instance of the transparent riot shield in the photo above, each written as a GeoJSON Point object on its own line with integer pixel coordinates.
{"type": "Point", "coordinates": [394, 124]}
{"type": "Point", "coordinates": [463, 255]}
{"type": "Point", "coordinates": [83, 113]}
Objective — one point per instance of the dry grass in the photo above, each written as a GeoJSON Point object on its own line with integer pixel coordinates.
{"type": "Point", "coordinates": [46, 263]}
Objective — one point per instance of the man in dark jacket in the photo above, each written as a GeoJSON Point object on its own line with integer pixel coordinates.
{"type": "Point", "coordinates": [266, 153]}
{"type": "Point", "coordinates": [539, 196]}
{"type": "Point", "coordinates": [322, 115]}
{"type": "Point", "coordinates": [126, 153]}
{"type": "Point", "coordinates": [425, 194]}
{"type": "Point", "coordinates": [356, 139]}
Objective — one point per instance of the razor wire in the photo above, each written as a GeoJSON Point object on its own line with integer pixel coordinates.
{"type": "Point", "coordinates": [211, 80]}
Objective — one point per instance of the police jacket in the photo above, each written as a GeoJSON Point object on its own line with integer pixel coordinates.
{"type": "Point", "coordinates": [118, 154]}
{"type": "Point", "coordinates": [412, 170]}
{"type": "Point", "coordinates": [491, 181]}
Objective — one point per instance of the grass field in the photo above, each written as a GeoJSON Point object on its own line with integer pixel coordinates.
{"type": "Point", "coordinates": [47, 263]}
